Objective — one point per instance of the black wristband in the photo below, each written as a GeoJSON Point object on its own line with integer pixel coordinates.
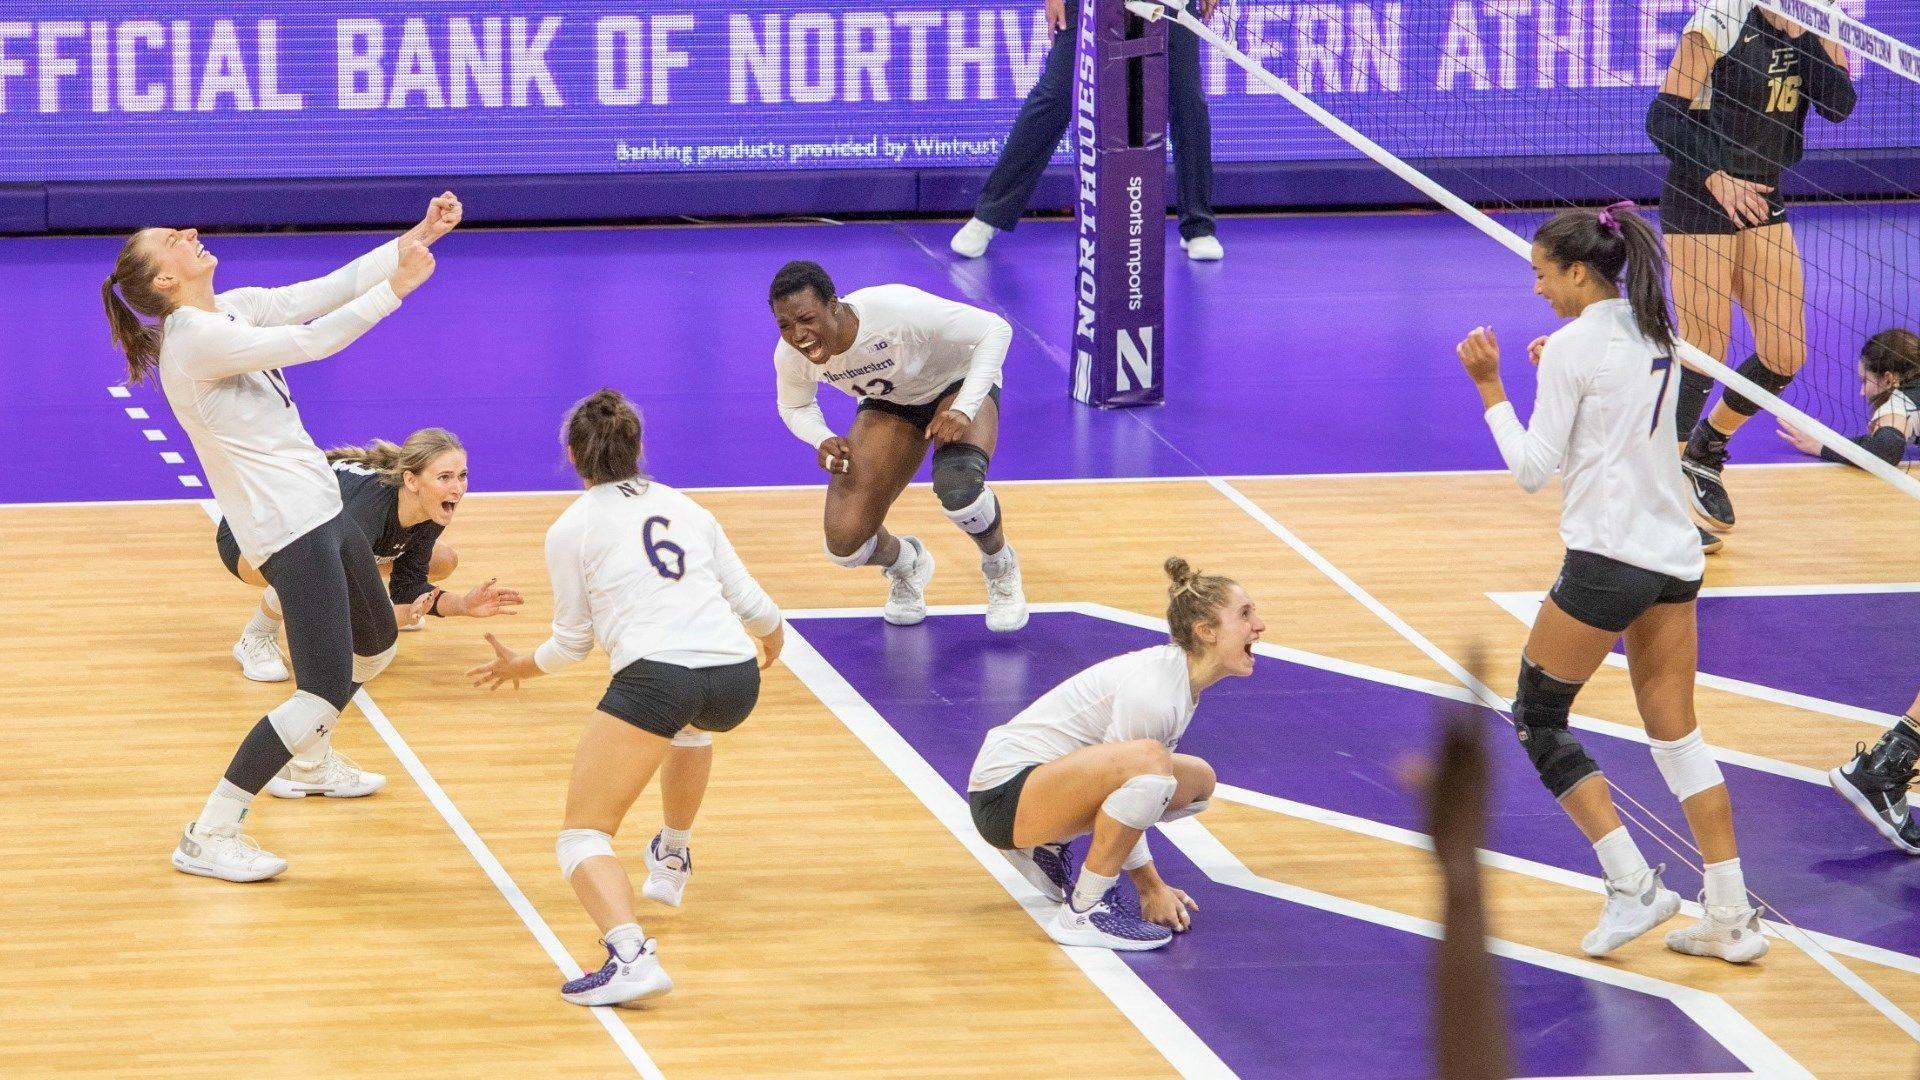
{"type": "Point", "coordinates": [433, 609]}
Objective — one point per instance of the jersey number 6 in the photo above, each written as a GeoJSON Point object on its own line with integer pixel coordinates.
{"type": "Point", "coordinates": [666, 556]}
{"type": "Point", "coordinates": [1663, 367]}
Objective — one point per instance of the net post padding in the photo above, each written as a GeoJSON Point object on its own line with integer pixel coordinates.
{"type": "Point", "coordinates": [1692, 356]}
{"type": "Point", "coordinates": [1120, 123]}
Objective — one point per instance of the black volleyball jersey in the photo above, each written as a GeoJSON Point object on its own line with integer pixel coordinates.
{"type": "Point", "coordinates": [1761, 85]}
{"type": "Point", "coordinates": [374, 507]}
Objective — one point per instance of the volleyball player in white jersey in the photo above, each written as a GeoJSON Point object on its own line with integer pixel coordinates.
{"type": "Point", "coordinates": [1095, 754]}
{"type": "Point", "coordinates": [219, 357]}
{"type": "Point", "coordinates": [925, 370]}
{"type": "Point", "coordinates": [1604, 418]}
{"type": "Point", "coordinates": [646, 573]}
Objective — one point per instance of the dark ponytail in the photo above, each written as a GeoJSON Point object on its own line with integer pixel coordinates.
{"type": "Point", "coordinates": [602, 431]}
{"type": "Point", "coordinates": [140, 342]}
{"type": "Point", "coordinates": [1893, 352]}
{"type": "Point", "coordinates": [1609, 241]}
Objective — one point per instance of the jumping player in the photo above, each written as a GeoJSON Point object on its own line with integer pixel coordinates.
{"type": "Point", "coordinates": [219, 357]}
{"type": "Point", "coordinates": [400, 498]}
{"type": "Point", "coordinates": [648, 575]}
{"type": "Point", "coordinates": [1602, 418]}
{"type": "Point", "coordinates": [925, 370]}
{"type": "Point", "coordinates": [1730, 118]}
{"type": "Point", "coordinates": [1095, 754]}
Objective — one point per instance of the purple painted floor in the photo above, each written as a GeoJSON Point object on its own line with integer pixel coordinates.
{"type": "Point", "coordinates": [1323, 344]}
{"type": "Point", "coordinates": [1275, 988]}
{"type": "Point", "coordinates": [1855, 648]}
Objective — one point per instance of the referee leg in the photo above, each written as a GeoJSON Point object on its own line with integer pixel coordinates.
{"type": "Point", "coordinates": [1192, 127]}
{"type": "Point", "coordinates": [1036, 131]}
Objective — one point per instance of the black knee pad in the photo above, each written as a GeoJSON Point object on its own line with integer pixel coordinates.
{"type": "Point", "coordinates": [1540, 710]}
{"type": "Point", "coordinates": [1763, 376]}
{"type": "Point", "coordinates": [959, 475]}
{"type": "Point", "coordinates": [1690, 402]}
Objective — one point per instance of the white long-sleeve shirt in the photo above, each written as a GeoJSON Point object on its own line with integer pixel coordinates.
{"type": "Point", "coordinates": [220, 371]}
{"type": "Point", "coordinates": [1146, 694]}
{"type": "Point", "coordinates": [1603, 416]}
{"type": "Point", "coordinates": [647, 574]}
{"type": "Point", "coordinates": [911, 346]}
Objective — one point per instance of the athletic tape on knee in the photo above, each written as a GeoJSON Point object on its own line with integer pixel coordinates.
{"type": "Point", "coordinates": [302, 719]}
{"type": "Point", "coordinates": [1139, 802]}
{"type": "Point", "coordinates": [1187, 811]}
{"type": "Point", "coordinates": [365, 668]}
{"type": "Point", "coordinates": [693, 737]}
{"type": "Point", "coordinates": [1140, 856]}
{"type": "Point", "coordinates": [1540, 709]}
{"type": "Point", "coordinates": [1763, 376]}
{"type": "Point", "coordinates": [578, 845]}
{"type": "Point", "coordinates": [1687, 764]}
{"type": "Point", "coordinates": [860, 556]}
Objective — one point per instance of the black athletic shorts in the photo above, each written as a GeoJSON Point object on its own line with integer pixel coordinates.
{"type": "Point", "coordinates": [663, 698]}
{"type": "Point", "coordinates": [229, 547]}
{"type": "Point", "coordinates": [994, 809]}
{"type": "Point", "coordinates": [1689, 209]}
{"type": "Point", "coordinates": [920, 415]}
{"type": "Point", "coordinates": [1608, 594]}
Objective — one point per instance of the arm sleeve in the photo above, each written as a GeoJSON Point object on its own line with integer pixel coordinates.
{"type": "Point", "coordinates": [311, 299]}
{"type": "Point", "coordinates": [572, 637]}
{"type": "Point", "coordinates": [1684, 137]}
{"type": "Point", "coordinates": [1885, 443]}
{"type": "Point", "coordinates": [217, 347]}
{"type": "Point", "coordinates": [408, 581]}
{"type": "Point", "coordinates": [750, 603]}
{"type": "Point", "coordinates": [1828, 85]}
{"type": "Point", "coordinates": [985, 336]}
{"type": "Point", "coordinates": [1534, 453]}
{"type": "Point", "coordinates": [800, 400]}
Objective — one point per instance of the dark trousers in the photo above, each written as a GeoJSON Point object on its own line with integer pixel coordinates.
{"type": "Point", "coordinates": [1049, 108]}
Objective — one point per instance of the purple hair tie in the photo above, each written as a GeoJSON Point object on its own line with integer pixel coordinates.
{"type": "Point", "coordinates": [1607, 218]}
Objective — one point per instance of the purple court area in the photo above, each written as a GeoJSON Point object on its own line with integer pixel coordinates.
{"type": "Point", "coordinates": [1322, 344]}
{"type": "Point", "coordinates": [1859, 649]}
{"type": "Point", "coordinates": [1273, 987]}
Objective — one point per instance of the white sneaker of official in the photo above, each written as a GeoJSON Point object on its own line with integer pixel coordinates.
{"type": "Point", "coordinates": [1203, 248]}
{"type": "Point", "coordinates": [667, 873]}
{"type": "Point", "coordinates": [260, 660]}
{"type": "Point", "coordinates": [1635, 905]}
{"type": "Point", "coordinates": [1730, 933]}
{"type": "Point", "coordinates": [972, 239]}
{"type": "Point", "coordinates": [907, 595]}
{"type": "Point", "coordinates": [224, 854]}
{"type": "Point", "coordinates": [1006, 599]}
{"type": "Point", "coordinates": [336, 777]}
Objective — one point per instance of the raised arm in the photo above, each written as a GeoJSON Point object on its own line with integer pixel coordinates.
{"type": "Point", "coordinates": [1533, 452]}
{"type": "Point", "coordinates": [1828, 84]}
{"type": "Point", "coordinates": [308, 300]}
{"type": "Point", "coordinates": [212, 345]}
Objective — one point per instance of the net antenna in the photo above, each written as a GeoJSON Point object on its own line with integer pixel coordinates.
{"type": "Point", "coordinates": [1867, 44]}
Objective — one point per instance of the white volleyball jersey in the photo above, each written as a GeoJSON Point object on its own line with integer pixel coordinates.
{"type": "Point", "coordinates": [647, 574]}
{"type": "Point", "coordinates": [221, 374]}
{"type": "Point", "coordinates": [1138, 695]}
{"type": "Point", "coordinates": [1897, 411]}
{"type": "Point", "coordinates": [1604, 417]}
{"type": "Point", "coordinates": [911, 346]}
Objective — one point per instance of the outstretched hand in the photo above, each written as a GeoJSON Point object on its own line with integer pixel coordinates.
{"type": "Point", "coordinates": [1801, 441]}
{"type": "Point", "coordinates": [500, 671]}
{"type": "Point", "coordinates": [484, 600]}
{"type": "Point", "coordinates": [1167, 906]}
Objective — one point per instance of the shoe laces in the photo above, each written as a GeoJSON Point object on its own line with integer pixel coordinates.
{"type": "Point", "coordinates": [259, 648]}
{"type": "Point", "coordinates": [336, 766]}
{"type": "Point", "coordinates": [1004, 588]}
{"type": "Point", "coordinates": [232, 842]}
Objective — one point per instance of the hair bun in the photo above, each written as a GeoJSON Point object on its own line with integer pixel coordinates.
{"type": "Point", "coordinates": [1177, 569]}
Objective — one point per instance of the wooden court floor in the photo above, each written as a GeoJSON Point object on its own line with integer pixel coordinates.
{"type": "Point", "coordinates": [835, 928]}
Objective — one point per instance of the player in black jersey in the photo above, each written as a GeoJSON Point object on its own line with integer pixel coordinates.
{"type": "Point", "coordinates": [401, 498]}
{"type": "Point", "coordinates": [1730, 118]}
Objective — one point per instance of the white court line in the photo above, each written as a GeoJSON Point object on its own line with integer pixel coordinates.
{"type": "Point", "coordinates": [516, 899]}
{"type": "Point", "coordinates": [1525, 606]}
{"type": "Point", "coordinates": [1169, 1034]}
{"type": "Point", "coordinates": [1805, 942]}
{"type": "Point", "coordinates": [1709, 1011]}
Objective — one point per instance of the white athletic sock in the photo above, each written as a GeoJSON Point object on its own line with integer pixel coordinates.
{"type": "Point", "coordinates": [1089, 888]}
{"type": "Point", "coordinates": [625, 940]}
{"type": "Point", "coordinates": [903, 564]}
{"type": "Point", "coordinates": [263, 624]}
{"type": "Point", "coordinates": [999, 562]}
{"type": "Point", "coordinates": [271, 601]}
{"type": "Point", "coordinates": [672, 839]}
{"type": "Point", "coordinates": [226, 808]}
{"type": "Point", "coordinates": [1726, 886]}
{"type": "Point", "coordinates": [1620, 857]}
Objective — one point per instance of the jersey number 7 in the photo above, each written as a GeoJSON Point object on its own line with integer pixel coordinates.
{"type": "Point", "coordinates": [1663, 367]}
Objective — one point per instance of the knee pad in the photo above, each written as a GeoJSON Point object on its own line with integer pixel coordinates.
{"type": "Point", "coordinates": [578, 845]}
{"type": "Point", "coordinates": [860, 556]}
{"type": "Point", "coordinates": [1687, 764]}
{"type": "Point", "coordinates": [1540, 710]}
{"type": "Point", "coordinates": [960, 482]}
{"type": "Point", "coordinates": [303, 720]}
{"type": "Point", "coordinates": [1139, 802]}
{"type": "Point", "coordinates": [1187, 811]}
{"type": "Point", "coordinates": [1140, 856]}
{"type": "Point", "coordinates": [1690, 401]}
{"type": "Point", "coordinates": [365, 668]}
{"type": "Point", "coordinates": [1764, 377]}
{"type": "Point", "coordinates": [693, 737]}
